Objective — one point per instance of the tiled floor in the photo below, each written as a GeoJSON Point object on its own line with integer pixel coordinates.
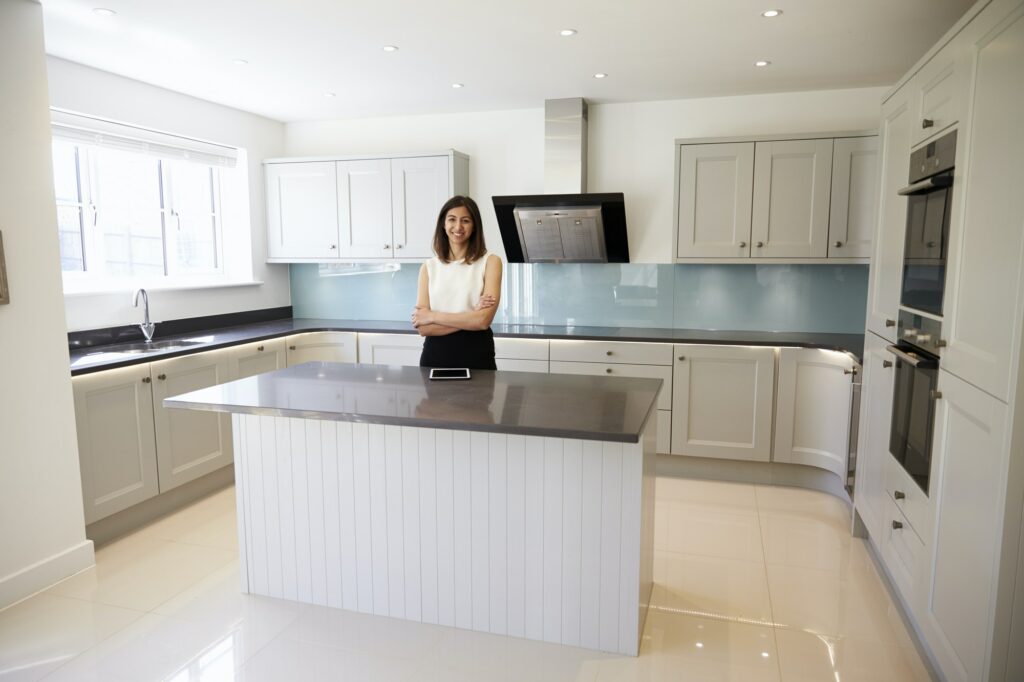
{"type": "Point", "coordinates": [752, 583]}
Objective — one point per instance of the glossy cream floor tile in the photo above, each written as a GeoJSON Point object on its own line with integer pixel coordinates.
{"type": "Point", "coordinates": [797, 501]}
{"type": "Point", "coordinates": [210, 522]}
{"type": "Point", "coordinates": [40, 634]}
{"type": "Point", "coordinates": [700, 585]}
{"type": "Point", "coordinates": [808, 657]}
{"type": "Point", "coordinates": [291, 659]}
{"type": "Point", "coordinates": [715, 493]}
{"type": "Point", "coordinates": [799, 539]}
{"type": "Point", "coordinates": [697, 528]}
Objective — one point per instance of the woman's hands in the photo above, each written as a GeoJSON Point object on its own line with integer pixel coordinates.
{"type": "Point", "coordinates": [422, 316]}
{"type": "Point", "coordinates": [486, 301]}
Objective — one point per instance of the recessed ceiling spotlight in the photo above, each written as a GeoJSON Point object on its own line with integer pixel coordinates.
{"type": "Point", "coordinates": [390, 48]}
{"type": "Point", "coordinates": [769, 13]}
{"type": "Point", "coordinates": [567, 32]}
{"type": "Point", "coordinates": [239, 62]}
{"type": "Point", "coordinates": [762, 62]}
{"type": "Point", "coordinates": [104, 12]}
{"type": "Point", "coordinates": [458, 85]}
{"type": "Point", "coordinates": [330, 94]}
{"type": "Point", "coordinates": [600, 75]}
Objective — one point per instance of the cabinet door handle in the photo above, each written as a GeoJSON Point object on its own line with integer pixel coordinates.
{"type": "Point", "coordinates": [146, 380]}
{"type": "Point", "coordinates": [839, 244]}
{"type": "Point", "coordinates": [890, 323]}
{"type": "Point", "coordinates": [681, 358]}
{"type": "Point", "coordinates": [898, 495]}
{"type": "Point", "coordinates": [161, 377]}
{"type": "Point", "coordinates": [896, 525]}
{"type": "Point", "coordinates": [608, 353]}
{"type": "Point", "coordinates": [850, 371]}
{"type": "Point", "coordinates": [886, 363]}
{"type": "Point", "coordinates": [387, 246]}
{"type": "Point", "coordinates": [743, 245]}
{"type": "Point", "coordinates": [259, 348]}
{"type": "Point", "coordinates": [608, 371]}
{"type": "Point", "coordinates": [398, 246]}
{"type": "Point", "coordinates": [927, 123]}
{"type": "Point", "coordinates": [291, 347]}
{"type": "Point", "coordinates": [333, 247]}
{"type": "Point", "coordinates": [760, 245]}
{"type": "Point", "coordinates": [935, 395]}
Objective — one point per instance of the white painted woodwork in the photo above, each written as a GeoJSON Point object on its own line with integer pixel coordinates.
{"type": "Point", "coordinates": [189, 443]}
{"type": "Point", "coordinates": [714, 200]}
{"type": "Point", "coordinates": [321, 347]}
{"type": "Point", "coordinates": [250, 359]}
{"type": "Point", "coordinates": [512, 365]}
{"type": "Point", "coordinates": [969, 482]}
{"type": "Point", "coordinates": [886, 271]}
{"type": "Point", "coordinates": [908, 496]}
{"type": "Point", "coordinates": [936, 96]}
{"type": "Point", "coordinates": [520, 349]}
{"type": "Point", "coordinates": [419, 187]}
{"type": "Point", "coordinates": [628, 352]}
{"type": "Point", "coordinates": [663, 437]}
{"type": "Point", "coordinates": [390, 349]}
{"type": "Point", "coordinates": [903, 552]}
{"type": "Point", "coordinates": [875, 425]}
{"type": "Point", "coordinates": [722, 401]}
{"type": "Point", "coordinates": [543, 538]}
{"type": "Point", "coordinates": [302, 210]}
{"type": "Point", "coordinates": [812, 409]}
{"type": "Point", "coordinates": [792, 180]}
{"type": "Point", "coordinates": [116, 443]}
{"type": "Point", "coordinates": [985, 284]}
{"type": "Point", "coordinates": [663, 372]}
{"type": "Point", "coordinates": [364, 209]}
{"type": "Point", "coordinates": [853, 210]}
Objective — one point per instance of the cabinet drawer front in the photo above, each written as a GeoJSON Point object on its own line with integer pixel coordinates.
{"type": "Point", "coordinates": [390, 349]}
{"type": "Point", "coordinates": [612, 370]}
{"type": "Point", "coordinates": [938, 105]}
{"type": "Point", "coordinates": [912, 502]}
{"type": "Point", "coordinates": [612, 351]}
{"type": "Point", "coordinates": [514, 365]}
{"type": "Point", "coordinates": [321, 347]}
{"type": "Point", "coordinates": [904, 553]}
{"type": "Point", "coordinates": [521, 349]}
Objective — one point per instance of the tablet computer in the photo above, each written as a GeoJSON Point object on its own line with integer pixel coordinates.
{"type": "Point", "coordinates": [449, 373]}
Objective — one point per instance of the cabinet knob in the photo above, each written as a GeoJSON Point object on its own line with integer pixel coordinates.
{"type": "Point", "coordinates": [930, 245]}
{"type": "Point", "coordinates": [896, 525]}
{"type": "Point", "coordinates": [838, 244]}
{"type": "Point", "coordinates": [941, 343]}
{"type": "Point", "coordinates": [333, 246]}
{"type": "Point", "coordinates": [259, 348]}
{"type": "Point", "coordinates": [161, 377]}
{"type": "Point", "coordinates": [886, 363]}
{"type": "Point", "coordinates": [291, 347]}
{"type": "Point", "coordinates": [146, 380]}
{"type": "Point", "coordinates": [398, 246]}
{"type": "Point", "coordinates": [681, 358]}
{"type": "Point", "coordinates": [935, 395]}
{"type": "Point", "coordinates": [608, 352]}
{"type": "Point", "coordinates": [608, 371]}
{"type": "Point", "coordinates": [850, 371]}
{"type": "Point", "coordinates": [898, 495]}
{"type": "Point", "coordinates": [743, 245]}
{"type": "Point", "coordinates": [760, 244]}
{"type": "Point", "coordinates": [387, 246]}
{"type": "Point", "coordinates": [927, 123]}
{"type": "Point", "coordinates": [890, 323]}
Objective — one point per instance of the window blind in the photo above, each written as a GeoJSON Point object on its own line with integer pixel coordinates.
{"type": "Point", "coordinates": [112, 135]}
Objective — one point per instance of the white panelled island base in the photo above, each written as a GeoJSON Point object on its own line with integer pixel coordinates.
{"type": "Point", "coordinates": [502, 523]}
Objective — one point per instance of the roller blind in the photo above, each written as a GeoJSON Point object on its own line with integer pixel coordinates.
{"type": "Point", "coordinates": [102, 133]}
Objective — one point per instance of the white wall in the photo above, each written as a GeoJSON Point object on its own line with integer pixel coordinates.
{"type": "Point", "coordinates": [42, 529]}
{"type": "Point", "coordinates": [89, 91]}
{"type": "Point", "coordinates": [631, 146]}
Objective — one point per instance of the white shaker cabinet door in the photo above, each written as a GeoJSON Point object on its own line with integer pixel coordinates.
{"type": "Point", "coordinates": [853, 212]}
{"type": "Point", "coordinates": [722, 402]}
{"type": "Point", "coordinates": [321, 347]}
{"type": "Point", "coordinates": [364, 208]}
{"type": "Point", "coordinates": [189, 443]}
{"type": "Point", "coordinates": [419, 187]}
{"type": "Point", "coordinates": [873, 442]}
{"type": "Point", "coordinates": [985, 285]}
{"type": "Point", "coordinates": [812, 412]}
{"type": "Point", "coordinates": [116, 447]}
{"type": "Point", "coordinates": [302, 210]}
{"type": "Point", "coordinates": [792, 181]}
{"type": "Point", "coordinates": [714, 196]}
{"type": "Point", "coordinates": [390, 349]}
{"type": "Point", "coordinates": [886, 273]}
{"type": "Point", "coordinates": [251, 359]}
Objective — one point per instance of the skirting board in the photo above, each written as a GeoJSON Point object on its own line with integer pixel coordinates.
{"type": "Point", "coordinates": [41, 575]}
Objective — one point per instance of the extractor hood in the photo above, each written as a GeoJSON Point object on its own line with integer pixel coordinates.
{"type": "Point", "coordinates": [572, 226]}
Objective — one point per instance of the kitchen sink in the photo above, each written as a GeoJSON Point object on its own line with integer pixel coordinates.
{"type": "Point", "coordinates": [112, 353]}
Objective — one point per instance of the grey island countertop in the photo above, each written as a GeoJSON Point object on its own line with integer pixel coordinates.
{"type": "Point", "coordinates": [614, 409]}
{"type": "Point", "coordinates": [87, 359]}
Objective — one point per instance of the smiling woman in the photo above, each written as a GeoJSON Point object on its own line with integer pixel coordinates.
{"type": "Point", "coordinates": [458, 292]}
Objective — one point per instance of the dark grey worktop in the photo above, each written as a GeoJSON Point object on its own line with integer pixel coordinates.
{"type": "Point", "coordinates": [524, 403]}
{"type": "Point", "coordinates": [88, 359]}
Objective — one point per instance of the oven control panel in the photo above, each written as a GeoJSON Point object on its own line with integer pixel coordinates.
{"type": "Point", "coordinates": [919, 330]}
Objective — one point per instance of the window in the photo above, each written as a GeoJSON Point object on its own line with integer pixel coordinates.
{"type": "Point", "coordinates": [137, 205]}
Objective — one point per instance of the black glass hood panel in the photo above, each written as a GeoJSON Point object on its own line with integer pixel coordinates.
{"type": "Point", "coordinates": [613, 215]}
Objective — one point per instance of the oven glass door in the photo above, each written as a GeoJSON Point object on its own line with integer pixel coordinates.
{"type": "Point", "coordinates": [924, 255]}
{"type": "Point", "coordinates": [913, 413]}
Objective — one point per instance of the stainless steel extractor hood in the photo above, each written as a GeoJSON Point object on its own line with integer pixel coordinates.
{"type": "Point", "coordinates": [571, 226]}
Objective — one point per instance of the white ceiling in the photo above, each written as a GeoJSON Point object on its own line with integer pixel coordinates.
{"type": "Point", "coordinates": [508, 53]}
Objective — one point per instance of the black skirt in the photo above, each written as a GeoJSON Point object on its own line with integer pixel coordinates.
{"type": "Point", "coordinates": [474, 350]}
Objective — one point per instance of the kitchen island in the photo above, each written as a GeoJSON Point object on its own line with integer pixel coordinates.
{"type": "Point", "coordinates": [514, 503]}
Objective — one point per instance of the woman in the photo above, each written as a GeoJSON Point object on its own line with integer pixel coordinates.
{"type": "Point", "coordinates": [458, 293]}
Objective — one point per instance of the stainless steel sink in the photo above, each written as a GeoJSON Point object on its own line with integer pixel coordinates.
{"type": "Point", "coordinates": [150, 346]}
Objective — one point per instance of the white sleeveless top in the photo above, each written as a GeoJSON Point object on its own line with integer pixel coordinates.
{"type": "Point", "coordinates": [455, 287]}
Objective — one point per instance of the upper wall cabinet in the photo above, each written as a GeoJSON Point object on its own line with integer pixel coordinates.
{"type": "Point", "coordinates": [359, 208]}
{"type": "Point", "coordinates": [781, 200]}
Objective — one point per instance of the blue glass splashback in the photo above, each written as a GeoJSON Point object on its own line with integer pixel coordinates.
{"type": "Point", "coordinates": [806, 298]}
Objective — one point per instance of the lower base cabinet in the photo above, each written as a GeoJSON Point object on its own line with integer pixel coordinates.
{"type": "Point", "coordinates": [321, 347]}
{"type": "Point", "coordinates": [877, 378]}
{"type": "Point", "coordinates": [722, 398]}
{"type": "Point", "coordinates": [390, 349]}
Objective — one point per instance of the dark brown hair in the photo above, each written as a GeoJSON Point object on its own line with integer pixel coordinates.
{"type": "Point", "coordinates": [476, 248]}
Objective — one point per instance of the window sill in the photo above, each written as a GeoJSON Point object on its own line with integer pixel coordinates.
{"type": "Point", "coordinates": [93, 289]}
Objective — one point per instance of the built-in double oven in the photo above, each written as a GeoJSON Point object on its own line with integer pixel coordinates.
{"type": "Point", "coordinates": [919, 344]}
